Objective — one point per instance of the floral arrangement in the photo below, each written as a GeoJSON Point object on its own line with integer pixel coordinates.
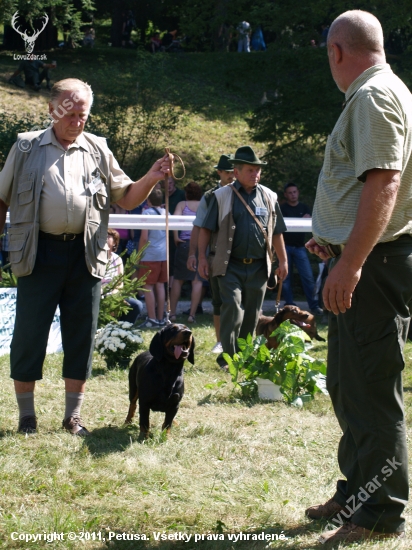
{"type": "Point", "coordinates": [117, 341]}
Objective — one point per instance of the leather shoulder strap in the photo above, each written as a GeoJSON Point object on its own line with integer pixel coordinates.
{"type": "Point", "coordinates": [268, 244]}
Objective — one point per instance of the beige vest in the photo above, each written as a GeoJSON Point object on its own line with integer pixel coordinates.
{"type": "Point", "coordinates": [222, 241]}
{"type": "Point", "coordinates": [25, 199]}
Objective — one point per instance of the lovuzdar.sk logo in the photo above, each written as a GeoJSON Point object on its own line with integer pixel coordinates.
{"type": "Point", "coordinates": [28, 40]}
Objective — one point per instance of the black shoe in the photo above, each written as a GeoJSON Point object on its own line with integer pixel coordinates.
{"type": "Point", "coordinates": [199, 311]}
{"type": "Point", "coordinates": [74, 425]}
{"type": "Point", "coordinates": [28, 425]}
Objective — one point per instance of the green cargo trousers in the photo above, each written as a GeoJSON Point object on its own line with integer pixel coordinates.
{"type": "Point", "coordinates": [242, 290]}
{"type": "Point", "coordinates": [364, 379]}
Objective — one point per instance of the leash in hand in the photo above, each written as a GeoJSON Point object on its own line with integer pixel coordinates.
{"type": "Point", "coordinates": [166, 179]}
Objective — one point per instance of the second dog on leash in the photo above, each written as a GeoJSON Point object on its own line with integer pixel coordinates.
{"type": "Point", "coordinates": [303, 319]}
{"type": "Point", "coordinates": [156, 376]}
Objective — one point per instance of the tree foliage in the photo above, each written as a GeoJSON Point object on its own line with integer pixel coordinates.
{"type": "Point", "coordinates": [65, 15]}
{"type": "Point", "coordinates": [302, 108]}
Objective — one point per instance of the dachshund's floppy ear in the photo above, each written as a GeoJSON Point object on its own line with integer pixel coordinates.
{"type": "Point", "coordinates": [279, 317]}
{"type": "Point", "coordinates": [191, 357]}
{"type": "Point", "coordinates": [156, 346]}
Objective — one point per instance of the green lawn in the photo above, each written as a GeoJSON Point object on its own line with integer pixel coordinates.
{"type": "Point", "coordinates": [231, 466]}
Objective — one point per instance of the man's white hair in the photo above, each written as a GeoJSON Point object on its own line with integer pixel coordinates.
{"type": "Point", "coordinates": [360, 31]}
{"type": "Point", "coordinates": [70, 85]}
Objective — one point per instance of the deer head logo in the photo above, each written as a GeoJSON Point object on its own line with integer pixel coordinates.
{"type": "Point", "coordinates": [29, 40]}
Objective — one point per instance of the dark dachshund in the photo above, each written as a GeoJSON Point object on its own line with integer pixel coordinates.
{"type": "Point", "coordinates": [156, 376]}
{"type": "Point", "coordinates": [303, 319]}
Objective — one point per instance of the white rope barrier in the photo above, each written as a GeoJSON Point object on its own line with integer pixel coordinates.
{"type": "Point", "coordinates": [182, 223]}
{"type": "Point", "coordinates": [185, 223]}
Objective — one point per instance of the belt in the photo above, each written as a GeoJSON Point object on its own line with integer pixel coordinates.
{"type": "Point", "coordinates": [61, 237]}
{"type": "Point", "coordinates": [334, 249]}
{"type": "Point", "coordinates": [246, 261]}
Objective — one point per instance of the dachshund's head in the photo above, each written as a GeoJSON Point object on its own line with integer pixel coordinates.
{"type": "Point", "coordinates": [295, 315]}
{"type": "Point", "coordinates": [175, 343]}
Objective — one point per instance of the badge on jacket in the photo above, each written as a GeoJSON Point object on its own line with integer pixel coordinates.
{"type": "Point", "coordinates": [96, 183]}
{"type": "Point", "coordinates": [261, 211]}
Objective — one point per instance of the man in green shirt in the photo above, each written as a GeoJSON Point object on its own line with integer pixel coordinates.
{"type": "Point", "coordinates": [239, 253]}
{"type": "Point", "coordinates": [362, 219]}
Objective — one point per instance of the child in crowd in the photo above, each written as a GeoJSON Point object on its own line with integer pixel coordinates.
{"type": "Point", "coordinates": [154, 263]}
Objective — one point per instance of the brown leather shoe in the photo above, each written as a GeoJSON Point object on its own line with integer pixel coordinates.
{"type": "Point", "coordinates": [324, 511]}
{"type": "Point", "coordinates": [74, 425]}
{"type": "Point", "coordinates": [350, 532]}
{"type": "Point", "coordinates": [28, 425]}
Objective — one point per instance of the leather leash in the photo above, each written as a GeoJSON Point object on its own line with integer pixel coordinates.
{"type": "Point", "coordinates": [166, 180]}
{"type": "Point", "coordinates": [278, 296]}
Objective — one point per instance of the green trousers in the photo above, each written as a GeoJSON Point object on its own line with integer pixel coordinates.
{"type": "Point", "coordinates": [241, 290]}
{"type": "Point", "coordinates": [216, 300]}
{"type": "Point", "coordinates": [364, 379]}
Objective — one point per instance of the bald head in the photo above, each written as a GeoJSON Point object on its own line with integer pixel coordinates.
{"type": "Point", "coordinates": [357, 31]}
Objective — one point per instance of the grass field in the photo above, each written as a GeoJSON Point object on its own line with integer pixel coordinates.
{"type": "Point", "coordinates": [231, 466]}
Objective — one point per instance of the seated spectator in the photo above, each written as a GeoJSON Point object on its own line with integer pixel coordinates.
{"type": "Point", "coordinates": [154, 263]}
{"type": "Point", "coordinates": [170, 42]}
{"type": "Point", "coordinates": [189, 207]}
{"type": "Point", "coordinates": [155, 43]}
{"type": "Point", "coordinates": [114, 268]}
{"type": "Point", "coordinates": [32, 75]}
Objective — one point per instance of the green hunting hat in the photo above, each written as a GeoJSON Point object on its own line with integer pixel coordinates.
{"type": "Point", "coordinates": [246, 155]}
{"type": "Point", "coordinates": [224, 163]}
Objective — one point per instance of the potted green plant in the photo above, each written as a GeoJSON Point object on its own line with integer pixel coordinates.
{"type": "Point", "coordinates": [117, 342]}
{"type": "Point", "coordinates": [298, 375]}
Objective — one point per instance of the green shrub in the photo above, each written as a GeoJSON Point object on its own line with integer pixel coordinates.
{"type": "Point", "coordinates": [288, 366]}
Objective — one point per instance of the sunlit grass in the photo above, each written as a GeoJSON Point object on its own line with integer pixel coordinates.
{"type": "Point", "coordinates": [230, 465]}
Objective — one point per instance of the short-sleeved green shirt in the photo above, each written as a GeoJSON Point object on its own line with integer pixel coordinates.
{"type": "Point", "coordinates": [373, 131]}
{"type": "Point", "coordinates": [248, 240]}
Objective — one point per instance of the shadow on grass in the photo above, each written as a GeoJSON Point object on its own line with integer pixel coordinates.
{"type": "Point", "coordinates": [112, 439]}
{"type": "Point", "coordinates": [246, 540]}
{"type": "Point", "coordinates": [98, 371]}
{"type": "Point", "coordinates": [115, 439]}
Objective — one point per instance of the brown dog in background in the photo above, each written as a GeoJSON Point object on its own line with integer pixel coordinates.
{"type": "Point", "coordinates": [303, 319]}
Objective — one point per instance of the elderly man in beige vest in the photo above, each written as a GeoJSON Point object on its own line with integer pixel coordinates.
{"type": "Point", "coordinates": [362, 219]}
{"type": "Point", "coordinates": [59, 184]}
